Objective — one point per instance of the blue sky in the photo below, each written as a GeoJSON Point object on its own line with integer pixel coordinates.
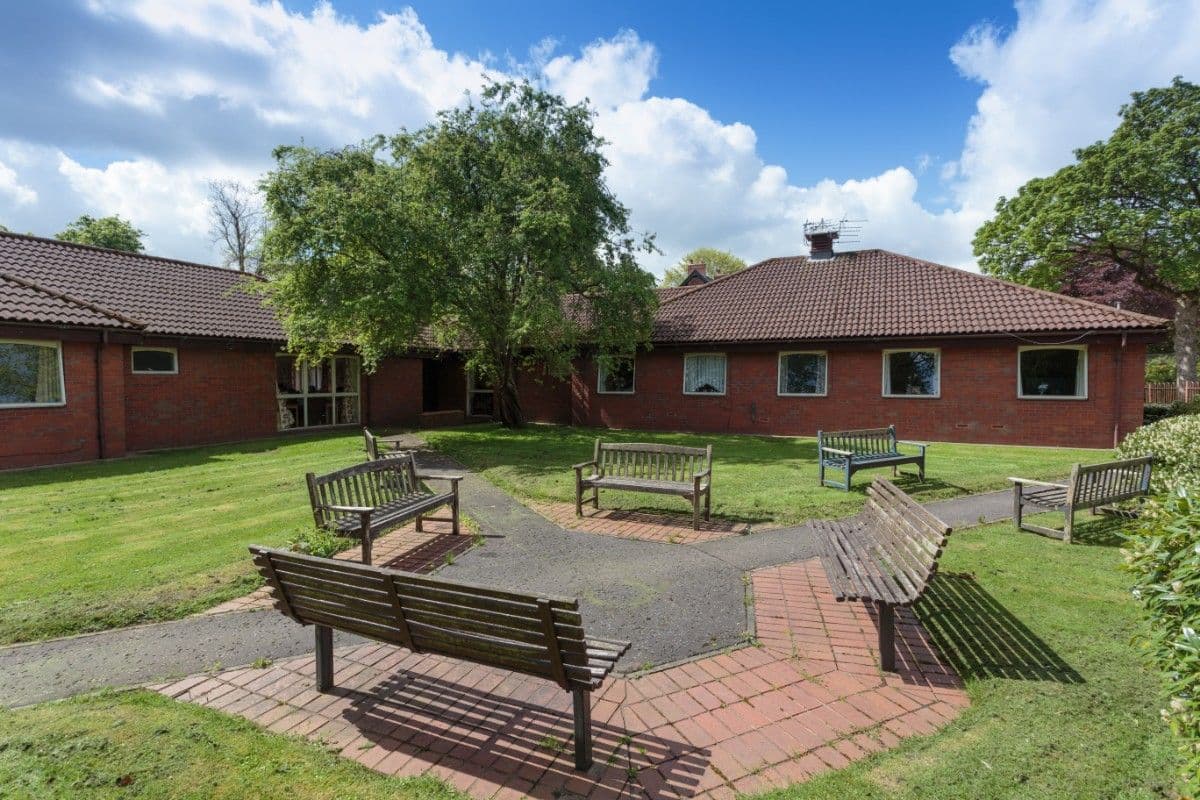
{"type": "Point", "coordinates": [728, 126]}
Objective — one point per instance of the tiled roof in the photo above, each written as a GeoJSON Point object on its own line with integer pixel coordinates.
{"type": "Point", "coordinates": [23, 301]}
{"type": "Point", "coordinates": [872, 294]}
{"type": "Point", "coordinates": [157, 295]}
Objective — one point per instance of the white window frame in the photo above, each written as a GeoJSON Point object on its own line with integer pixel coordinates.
{"type": "Point", "coordinates": [1082, 367]}
{"type": "Point", "coordinates": [724, 375]}
{"type": "Point", "coordinates": [332, 394]}
{"type": "Point", "coordinates": [600, 370]}
{"type": "Point", "coordinates": [885, 384]}
{"type": "Point", "coordinates": [173, 351]}
{"type": "Point", "coordinates": [471, 390]}
{"type": "Point", "coordinates": [779, 373]}
{"type": "Point", "coordinates": [62, 376]}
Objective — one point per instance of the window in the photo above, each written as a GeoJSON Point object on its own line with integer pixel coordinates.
{"type": "Point", "coordinates": [704, 373]}
{"type": "Point", "coordinates": [480, 396]}
{"type": "Point", "coordinates": [154, 360]}
{"type": "Point", "coordinates": [31, 374]}
{"type": "Point", "coordinates": [317, 395]}
{"type": "Point", "coordinates": [616, 378]}
{"type": "Point", "coordinates": [802, 373]}
{"type": "Point", "coordinates": [1052, 372]}
{"type": "Point", "coordinates": [912, 373]}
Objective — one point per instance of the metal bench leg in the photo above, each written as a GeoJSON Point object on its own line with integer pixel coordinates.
{"type": "Point", "coordinates": [583, 728]}
{"type": "Point", "coordinates": [324, 659]}
{"type": "Point", "coordinates": [887, 636]}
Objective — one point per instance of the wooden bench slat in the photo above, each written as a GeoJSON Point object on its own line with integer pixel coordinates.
{"type": "Point", "coordinates": [648, 467]}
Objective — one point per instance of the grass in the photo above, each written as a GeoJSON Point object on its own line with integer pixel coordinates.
{"type": "Point", "coordinates": [1061, 706]}
{"type": "Point", "coordinates": [150, 537]}
{"type": "Point", "coordinates": [767, 480]}
{"type": "Point", "coordinates": [142, 745]}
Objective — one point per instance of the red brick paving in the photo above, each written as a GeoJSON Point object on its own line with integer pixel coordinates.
{"type": "Point", "coordinates": [808, 699]}
{"type": "Point", "coordinates": [404, 548]}
{"type": "Point", "coordinates": [642, 525]}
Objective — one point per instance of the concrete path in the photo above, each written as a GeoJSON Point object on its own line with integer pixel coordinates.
{"type": "Point", "coordinates": [673, 601]}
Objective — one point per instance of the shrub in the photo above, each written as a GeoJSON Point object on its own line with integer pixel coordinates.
{"type": "Point", "coordinates": [1160, 369]}
{"type": "Point", "coordinates": [1175, 443]}
{"type": "Point", "coordinates": [1163, 553]}
{"type": "Point", "coordinates": [316, 542]}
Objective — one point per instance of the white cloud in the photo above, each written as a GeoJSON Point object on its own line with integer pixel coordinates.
{"type": "Point", "coordinates": [608, 72]}
{"type": "Point", "coordinates": [11, 186]}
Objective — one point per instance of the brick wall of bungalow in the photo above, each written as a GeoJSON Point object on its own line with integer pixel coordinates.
{"type": "Point", "coordinates": [978, 400]}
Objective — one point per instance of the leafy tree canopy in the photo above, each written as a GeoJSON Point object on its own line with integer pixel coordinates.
{"type": "Point", "coordinates": [111, 232]}
{"type": "Point", "coordinates": [1132, 200]}
{"type": "Point", "coordinates": [491, 229]}
{"type": "Point", "coordinates": [719, 262]}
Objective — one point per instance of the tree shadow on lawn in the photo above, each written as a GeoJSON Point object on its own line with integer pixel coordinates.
{"type": "Point", "coordinates": [983, 639]}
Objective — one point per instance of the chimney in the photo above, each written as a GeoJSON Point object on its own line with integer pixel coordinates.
{"type": "Point", "coordinates": [821, 244]}
{"type": "Point", "coordinates": [695, 274]}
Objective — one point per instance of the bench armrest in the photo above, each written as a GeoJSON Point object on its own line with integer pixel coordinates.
{"type": "Point", "coordinates": [921, 445]}
{"type": "Point", "coordinates": [347, 509]}
{"type": "Point", "coordinates": [837, 452]}
{"type": "Point", "coordinates": [582, 464]}
{"type": "Point", "coordinates": [1030, 482]}
{"type": "Point", "coordinates": [434, 475]}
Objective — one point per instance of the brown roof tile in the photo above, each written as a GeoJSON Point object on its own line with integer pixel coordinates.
{"type": "Point", "coordinates": [25, 301]}
{"type": "Point", "coordinates": [872, 294]}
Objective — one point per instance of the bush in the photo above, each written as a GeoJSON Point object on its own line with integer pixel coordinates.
{"type": "Point", "coordinates": [1175, 443]}
{"type": "Point", "coordinates": [1160, 369]}
{"type": "Point", "coordinates": [322, 544]}
{"type": "Point", "coordinates": [1163, 553]}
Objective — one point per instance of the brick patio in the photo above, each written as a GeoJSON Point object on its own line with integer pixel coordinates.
{"type": "Point", "coordinates": [809, 698]}
{"type": "Point", "coordinates": [650, 527]}
{"type": "Point", "coordinates": [404, 548]}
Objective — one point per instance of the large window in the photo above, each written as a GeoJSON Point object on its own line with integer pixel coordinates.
{"type": "Point", "coordinates": [802, 373]}
{"type": "Point", "coordinates": [31, 374]}
{"type": "Point", "coordinates": [317, 395]}
{"type": "Point", "coordinates": [616, 378]}
{"type": "Point", "coordinates": [481, 396]}
{"type": "Point", "coordinates": [154, 361]}
{"type": "Point", "coordinates": [912, 373]}
{"type": "Point", "coordinates": [1052, 372]}
{"type": "Point", "coordinates": [704, 373]}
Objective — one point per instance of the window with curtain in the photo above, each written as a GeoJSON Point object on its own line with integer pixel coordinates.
{"type": "Point", "coordinates": [911, 373]}
{"type": "Point", "coordinates": [31, 374]}
{"type": "Point", "coordinates": [802, 373]}
{"type": "Point", "coordinates": [616, 378]}
{"type": "Point", "coordinates": [1052, 372]}
{"type": "Point", "coordinates": [314, 395]}
{"type": "Point", "coordinates": [704, 373]}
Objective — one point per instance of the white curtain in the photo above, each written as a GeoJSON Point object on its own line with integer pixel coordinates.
{"type": "Point", "coordinates": [704, 374]}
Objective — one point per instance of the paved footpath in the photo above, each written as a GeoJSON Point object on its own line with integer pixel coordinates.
{"type": "Point", "coordinates": [673, 601]}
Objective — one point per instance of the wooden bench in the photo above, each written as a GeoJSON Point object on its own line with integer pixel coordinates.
{"type": "Point", "coordinates": [886, 554]}
{"type": "Point", "coordinates": [366, 499]}
{"type": "Point", "coordinates": [660, 468]}
{"type": "Point", "coordinates": [375, 451]}
{"type": "Point", "coordinates": [1093, 486]}
{"type": "Point", "coordinates": [849, 451]}
{"type": "Point", "coordinates": [523, 632]}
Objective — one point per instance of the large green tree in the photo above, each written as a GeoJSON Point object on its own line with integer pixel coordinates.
{"type": "Point", "coordinates": [719, 262]}
{"type": "Point", "coordinates": [1132, 200]}
{"type": "Point", "coordinates": [112, 232]}
{"type": "Point", "coordinates": [491, 230]}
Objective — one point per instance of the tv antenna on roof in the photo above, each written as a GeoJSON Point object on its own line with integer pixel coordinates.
{"type": "Point", "coordinates": [822, 233]}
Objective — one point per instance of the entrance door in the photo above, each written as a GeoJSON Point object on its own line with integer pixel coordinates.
{"type": "Point", "coordinates": [429, 384]}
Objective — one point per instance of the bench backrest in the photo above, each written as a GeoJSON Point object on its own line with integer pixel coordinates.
{"type": "Point", "coordinates": [866, 442]}
{"type": "Point", "coordinates": [907, 538]}
{"type": "Point", "coordinates": [369, 484]}
{"type": "Point", "coordinates": [1109, 482]}
{"type": "Point", "coordinates": [528, 633]}
{"type": "Point", "coordinates": [663, 462]}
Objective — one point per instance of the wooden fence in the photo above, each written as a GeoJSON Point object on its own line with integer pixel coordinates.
{"type": "Point", "coordinates": [1170, 393]}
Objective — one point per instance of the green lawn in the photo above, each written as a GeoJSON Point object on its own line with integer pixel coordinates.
{"type": "Point", "coordinates": [156, 536]}
{"type": "Point", "coordinates": [142, 745]}
{"type": "Point", "coordinates": [771, 480]}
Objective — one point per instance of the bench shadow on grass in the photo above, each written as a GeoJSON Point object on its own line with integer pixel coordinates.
{"type": "Point", "coordinates": [983, 639]}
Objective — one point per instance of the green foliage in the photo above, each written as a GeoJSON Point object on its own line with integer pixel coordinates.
{"type": "Point", "coordinates": [319, 543]}
{"type": "Point", "coordinates": [1175, 444]}
{"type": "Point", "coordinates": [1153, 412]}
{"type": "Point", "coordinates": [478, 229]}
{"type": "Point", "coordinates": [1163, 553]}
{"type": "Point", "coordinates": [719, 262]}
{"type": "Point", "coordinates": [1160, 369]}
{"type": "Point", "coordinates": [111, 232]}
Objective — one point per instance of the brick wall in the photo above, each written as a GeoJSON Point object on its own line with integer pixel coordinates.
{"type": "Point", "coordinates": [394, 392]}
{"type": "Point", "coordinates": [544, 398]}
{"type": "Point", "coordinates": [978, 400]}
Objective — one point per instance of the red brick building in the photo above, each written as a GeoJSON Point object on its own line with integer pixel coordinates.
{"type": "Point", "coordinates": [104, 353]}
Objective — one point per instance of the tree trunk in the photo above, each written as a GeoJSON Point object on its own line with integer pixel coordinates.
{"type": "Point", "coordinates": [508, 404]}
{"type": "Point", "coordinates": [1187, 328]}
